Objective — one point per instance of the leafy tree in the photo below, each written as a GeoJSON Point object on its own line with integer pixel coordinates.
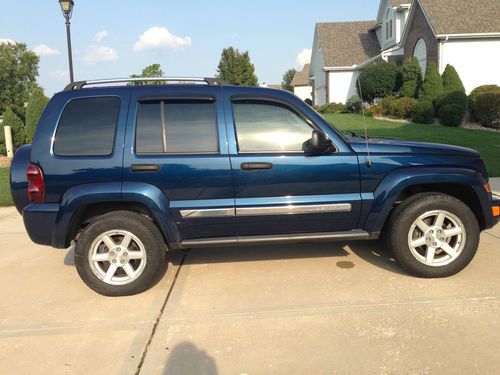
{"type": "Point", "coordinates": [236, 68]}
{"type": "Point", "coordinates": [432, 87]}
{"type": "Point", "coordinates": [34, 110]}
{"type": "Point", "coordinates": [378, 81]}
{"type": "Point", "coordinates": [411, 77]}
{"type": "Point", "coordinates": [16, 126]}
{"type": "Point", "coordinates": [18, 72]}
{"type": "Point", "coordinates": [286, 81]}
{"type": "Point", "coordinates": [451, 80]}
{"type": "Point", "coordinates": [151, 71]}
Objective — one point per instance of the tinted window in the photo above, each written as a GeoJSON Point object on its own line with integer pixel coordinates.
{"type": "Point", "coordinates": [269, 127]}
{"type": "Point", "coordinates": [176, 128]}
{"type": "Point", "coordinates": [87, 127]}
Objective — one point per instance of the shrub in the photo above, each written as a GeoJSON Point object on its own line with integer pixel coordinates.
{"type": "Point", "coordinates": [376, 110]}
{"type": "Point", "coordinates": [423, 113]}
{"type": "Point", "coordinates": [451, 115]}
{"type": "Point", "coordinates": [17, 127]}
{"type": "Point", "coordinates": [453, 97]}
{"type": "Point", "coordinates": [401, 107]}
{"type": "Point", "coordinates": [332, 108]}
{"type": "Point", "coordinates": [316, 107]}
{"type": "Point", "coordinates": [386, 104]}
{"type": "Point", "coordinates": [34, 110]}
{"type": "Point", "coordinates": [354, 104]}
{"type": "Point", "coordinates": [488, 109]}
{"type": "Point", "coordinates": [411, 76]}
{"type": "Point", "coordinates": [479, 90]}
{"type": "Point", "coordinates": [451, 80]}
{"type": "Point", "coordinates": [432, 87]}
{"type": "Point", "coordinates": [2, 141]}
{"type": "Point", "coordinates": [378, 81]}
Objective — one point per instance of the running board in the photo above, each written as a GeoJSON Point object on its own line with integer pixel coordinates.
{"type": "Point", "coordinates": [280, 238]}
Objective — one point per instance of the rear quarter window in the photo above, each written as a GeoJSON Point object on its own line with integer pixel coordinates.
{"type": "Point", "coordinates": [87, 127]}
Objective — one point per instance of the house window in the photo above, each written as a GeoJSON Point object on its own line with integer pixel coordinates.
{"type": "Point", "coordinates": [388, 24]}
{"type": "Point", "coordinates": [420, 52]}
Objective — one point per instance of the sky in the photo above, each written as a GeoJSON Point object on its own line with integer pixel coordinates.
{"type": "Point", "coordinates": [116, 38]}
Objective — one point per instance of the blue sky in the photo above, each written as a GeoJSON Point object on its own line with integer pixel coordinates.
{"type": "Point", "coordinates": [115, 38]}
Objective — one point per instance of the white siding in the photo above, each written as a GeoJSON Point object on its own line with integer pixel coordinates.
{"type": "Point", "coordinates": [342, 85]}
{"type": "Point", "coordinates": [477, 61]}
{"type": "Point", "coordinates": [303, 92]}
{"type": "Point", "coordinates": [317, 71]}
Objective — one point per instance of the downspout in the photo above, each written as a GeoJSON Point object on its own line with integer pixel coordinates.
{"type": "Point", "coordinates": [440, 57]}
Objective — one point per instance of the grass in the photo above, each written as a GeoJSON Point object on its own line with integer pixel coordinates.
{"type": "Point", "coordinates": [487, 143]}
{"type": "Point", "coordinates": [5, 198]}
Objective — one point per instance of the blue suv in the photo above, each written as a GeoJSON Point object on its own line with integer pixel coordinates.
{"type": "Point", "coordinates": [129, 172]}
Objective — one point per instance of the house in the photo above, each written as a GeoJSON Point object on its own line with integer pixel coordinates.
{"type": "Point", "coordinates": [462, 33]}
{"type": "Point", "coordinates": [301, 85]}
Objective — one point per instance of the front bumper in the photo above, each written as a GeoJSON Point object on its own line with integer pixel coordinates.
{"type": "Point", "coordinates": [495, 212]}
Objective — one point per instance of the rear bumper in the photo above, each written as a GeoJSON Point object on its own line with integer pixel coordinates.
{"type": "Point", "coordinates": [39, 221]}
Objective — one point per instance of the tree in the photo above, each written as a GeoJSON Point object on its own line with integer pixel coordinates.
{"type": "Point", "coordinates": [236, 68]}
{"type": "Point", "coordinates": [34, 110]}
{"type": "Point", "coordinates": [451, 80]}
{"type": "Point", "coordinates": [18, 72]}
{"type": "Point", "coordinates": [151, 71]}
{"type": "Point", "coordinates": [378, 81]}
{"type": "Point", "coordinates": [432, 87]}
{"type": "Point", "coordinates": [16, 126]}
{"type": "Point", "coordinates": [411, 77]}
{"type": "Point", "coordinates": [286, 81]}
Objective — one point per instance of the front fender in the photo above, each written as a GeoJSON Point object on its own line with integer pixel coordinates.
{"type": "Point", "coordinates": [400, 179]}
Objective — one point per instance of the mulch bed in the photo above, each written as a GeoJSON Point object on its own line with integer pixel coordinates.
{"type": "Point", "coordinates": [4, 162]}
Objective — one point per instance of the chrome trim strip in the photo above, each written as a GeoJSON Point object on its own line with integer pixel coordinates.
{"type": "Point", "coordinates": [293, 209]}
{"type": "Point", "coordinates": [209, 212]}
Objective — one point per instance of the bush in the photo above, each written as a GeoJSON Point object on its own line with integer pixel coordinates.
{"type": "Point", "coordinates": [451, 115]}
{"type": "Point", "coordinates": [3, 149]}
{"type": "Point", "coordinates": [432, 87]}
{"type": "Point", "coordinates": [17, 127]}
{"type": "Point", "coordinates": [376, 110]}
{"type": "Point", "coordinates": [488, 109]}
{"type": "Point", "coordinates": [479, 90]}
{"type": "Point", "coordinates": [411, 77]}
{"type": "Point", "coordinates": [34, 110]}
{"type": "Point", "coordinates": [401, 107]}
{"type": "Point", "coordinates": [453, 97]}
{"type": "Point", "coordinates": [423, 113]}
{"type": "Point", "coordinates": [332, 108]}
{"type": "Point", "coordinates": [451, 80]}
{"type": "Point", "coordinates": [378, 81]}
{"type": "Point", "coordinates": [316, 107]}
{"type": "Point", "coordinates": [354, 104]}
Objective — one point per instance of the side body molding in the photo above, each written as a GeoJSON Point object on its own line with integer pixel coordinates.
{"type": "Point", "coordinates": [396, 181]}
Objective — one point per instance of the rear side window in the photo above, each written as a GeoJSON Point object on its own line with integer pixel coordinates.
{"type": "Point", "coordinates": [176, 127]}
{"type": "Point", "coordinates": [87, 127]}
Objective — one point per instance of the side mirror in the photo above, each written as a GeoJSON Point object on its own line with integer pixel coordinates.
{"type": "Point", "coordinates": [319, 144]}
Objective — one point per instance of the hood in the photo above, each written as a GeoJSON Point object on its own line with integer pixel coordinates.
{"type": "Point", "coordinates": [393, 146]}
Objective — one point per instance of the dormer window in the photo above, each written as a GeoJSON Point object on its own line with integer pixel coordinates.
{"type": "Point", "coordinates": [388, 24]}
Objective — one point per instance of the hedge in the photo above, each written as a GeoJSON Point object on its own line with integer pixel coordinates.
{"type": "Point", "coordinates": [488, 109]}
{"type": "Point", "coordinates": [423, 113]}
{"type": "Point", "coordinates": [332, 108]}
{"type": "Point", "coordinates": [451, 115]}
{"type": "Point", "coordinates": [479, 90]}
{"type": "Point", "coordinates": [354, 104]}
{"type": "Point", "coordinates": [454, 97]}
{"type": "Point", "coordinates": [378, 81]}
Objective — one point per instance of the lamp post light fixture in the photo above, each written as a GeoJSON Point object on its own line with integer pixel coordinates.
{"type": "Point", "coordinates": [67, 10]}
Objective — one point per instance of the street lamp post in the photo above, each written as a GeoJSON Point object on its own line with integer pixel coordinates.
{"type": "Point", "coordinates": [67, 10]}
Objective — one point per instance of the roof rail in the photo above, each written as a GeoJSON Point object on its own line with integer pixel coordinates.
{"type": "Point", "coordinates": [183, 80]}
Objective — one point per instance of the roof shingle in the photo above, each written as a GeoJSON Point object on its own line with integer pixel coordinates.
{"type": "Point", "coordinates": [301, 78]}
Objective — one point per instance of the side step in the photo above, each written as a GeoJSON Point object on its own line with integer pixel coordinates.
{"type": "Point", "coordinates": [285, 238]}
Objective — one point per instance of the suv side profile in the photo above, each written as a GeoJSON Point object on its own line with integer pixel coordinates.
{"type": "Point", "coordinates": [129, 172]}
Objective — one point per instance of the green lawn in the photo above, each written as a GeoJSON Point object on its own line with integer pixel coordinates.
{"type": "Point", "coordinates": [5, 198]}
{"type": "Point", "coordinates": [487, 143]}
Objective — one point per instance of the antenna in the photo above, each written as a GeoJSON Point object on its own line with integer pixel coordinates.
{"type": "Point", "coordinates": [369, 160]}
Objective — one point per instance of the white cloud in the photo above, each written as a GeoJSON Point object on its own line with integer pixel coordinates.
{"type": "Point", "coordinates": [160, 38]}
{"type": "Point", "coordinates": [96, 54]}
{"type": "Point", "coordinates": [100, 35]}
{"type": "Point", "coordinates": [45, 50]}
{"type": "Point", "coordinates": [6, 41]}
{"type": "Point", "coordinates": [304, 57]}
{"type": "Point", "coordinates": [60, 74]}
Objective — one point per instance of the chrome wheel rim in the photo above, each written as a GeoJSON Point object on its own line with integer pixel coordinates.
{"type": "Point", "coordinates": [117, 257]}
{"type": "Point", "coordinates": [437, 238]}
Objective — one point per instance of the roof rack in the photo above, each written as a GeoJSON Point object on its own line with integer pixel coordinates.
{"type": "Point", "coordinates": [183, 80]}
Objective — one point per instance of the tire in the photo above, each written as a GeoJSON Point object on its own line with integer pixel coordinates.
{"type": "Point", "coordinates": [433, 235]}
{"type": "Point", "coordinates": [116, 268]}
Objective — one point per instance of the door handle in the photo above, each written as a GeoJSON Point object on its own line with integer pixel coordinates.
{"type": "Point", "coordinates": [145, 167]}
{"type": "Point", "coordinates": [250, 166]}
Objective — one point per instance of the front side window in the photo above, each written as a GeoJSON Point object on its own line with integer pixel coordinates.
{"type": "Point", "coordinates": [269, 127]}
{"type": "Point", "coordinates": [87, 127]}
{"type": "Point", "coordinates": [176, 127]}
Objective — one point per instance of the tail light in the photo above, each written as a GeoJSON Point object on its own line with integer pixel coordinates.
{"type": "Point", "coordinates": [36, 187]}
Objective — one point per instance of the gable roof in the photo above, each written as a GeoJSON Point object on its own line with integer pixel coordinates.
{"type": "Point", "coordinates": [462, 16]}
{"type": "Point", "coordinates": [347, 43]}
{"type": "Point", "coordinates": [398, 3]}
{"type": "Point", "coordinates": [301, 78]}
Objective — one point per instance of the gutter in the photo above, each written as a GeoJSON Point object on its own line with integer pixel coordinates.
{"type": "Point", "coordinates": [468, 36]}
{"type": "Point", "coordinates": [352, 67]}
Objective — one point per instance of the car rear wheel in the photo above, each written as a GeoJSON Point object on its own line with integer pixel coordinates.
{"type": "Point", "coordinates": [120, 253]}
{"type": "Point", "coordinates": [433, 235]}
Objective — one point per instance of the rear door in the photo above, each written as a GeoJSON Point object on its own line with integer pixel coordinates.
{"type": "Point", "coordinates": [180, 130]}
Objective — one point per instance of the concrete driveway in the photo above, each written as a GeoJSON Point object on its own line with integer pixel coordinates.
{"type": "Point", "coordinates": [325, 308]}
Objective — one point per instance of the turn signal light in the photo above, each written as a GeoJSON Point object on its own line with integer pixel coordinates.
{"type": "Point", "coordinates": [36, 186]}
{"type": "Point", "coordinates": [495, 210]}
{"type": "Point", "coordinates": [487, 187]}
